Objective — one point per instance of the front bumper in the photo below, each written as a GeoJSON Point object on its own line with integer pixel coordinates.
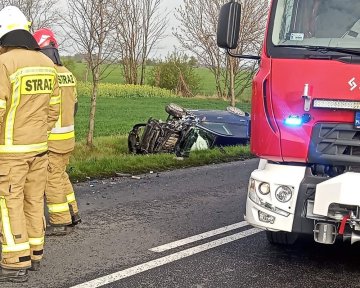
{"type": "Point", "coordinates": [271, 214]}
{"type": "Point", "coordinates": [280, 223]}
{"type": "Point", "coordinates": [343, 189]}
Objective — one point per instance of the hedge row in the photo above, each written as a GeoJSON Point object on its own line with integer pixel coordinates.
{"type": "Point", "coordinates": [124, 91]}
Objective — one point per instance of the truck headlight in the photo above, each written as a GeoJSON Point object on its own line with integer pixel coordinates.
{"type": "Point", "coordinates": [284, 194]}
{"type": "Point", "coordinates": [264, 188]}
{"type": "Point", "coordinates": [252, 191]}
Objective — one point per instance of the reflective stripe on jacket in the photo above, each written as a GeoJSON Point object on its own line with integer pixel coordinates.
{"type": "Point", "coordinates": [29, 101]}
{"type": "Point", "coordinates": [62, 137]}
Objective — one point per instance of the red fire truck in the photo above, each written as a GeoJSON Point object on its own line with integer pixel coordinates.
{"type": "Point", "coordinates": [305, 120]}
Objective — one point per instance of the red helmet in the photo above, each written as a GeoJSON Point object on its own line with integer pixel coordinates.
{"type": "Point", "coordinates": [46, 38]}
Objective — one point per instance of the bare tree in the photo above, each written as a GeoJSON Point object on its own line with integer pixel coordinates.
{"type": "Point", "coordinates": [90, 25]}
{"type": "Point", "coordinates": [140, 27]}
{"type": "Point", "coordinates": [41, 13]}
{"type": "Point", "coordinates": [197, 34]}
{"type": "Point", "coordinates": [252, 31]}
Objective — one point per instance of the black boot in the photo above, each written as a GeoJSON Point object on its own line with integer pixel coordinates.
{"type": "Point", "coordinates": [35, 266]}
{"type": "Point", "coordinates": [16, 276]}
{"type": "Point", "coordinates": [75, 218]}
{"type": "Point", "coordinates": [58, 230]}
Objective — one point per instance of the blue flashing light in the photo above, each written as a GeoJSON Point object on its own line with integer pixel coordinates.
{"type": "Point", "coordinates": [293, 121]}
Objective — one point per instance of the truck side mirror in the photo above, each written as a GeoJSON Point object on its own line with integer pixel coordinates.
{"type": "Point", "coordinates": [229, 25]}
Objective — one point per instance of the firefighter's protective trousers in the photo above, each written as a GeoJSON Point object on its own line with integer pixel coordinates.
{"type": "Point", "coordinates": [60, 196]}
{"type": "Point", "coordinates": [29, 108]}
{"type": "Point", "coordinates": [22, 185]}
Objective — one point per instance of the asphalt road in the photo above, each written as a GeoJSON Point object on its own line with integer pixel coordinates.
{"type": "Point", "coordinates": [124, 218]}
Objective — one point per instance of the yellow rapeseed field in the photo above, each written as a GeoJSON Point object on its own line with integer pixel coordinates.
{"type": "Point", "coordinates": [111, 90]}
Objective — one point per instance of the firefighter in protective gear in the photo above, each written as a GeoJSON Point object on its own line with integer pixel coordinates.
{"type": "Point", "coordinates": [29, 109]}
{"type": "Point", "coordinates": [59, 193]}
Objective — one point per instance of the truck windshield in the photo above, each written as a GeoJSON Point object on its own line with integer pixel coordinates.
{"type": "Point", "coordinates": [325, 23]}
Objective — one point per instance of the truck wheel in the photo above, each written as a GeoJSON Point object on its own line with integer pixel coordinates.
{"type": "Point", "coordinates": [175, 110]}
{"type": "Point", "coordinates": [281, 238]}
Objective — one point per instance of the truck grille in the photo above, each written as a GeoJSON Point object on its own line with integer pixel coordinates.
{"type": "Point", "coordinates": [335, 144]}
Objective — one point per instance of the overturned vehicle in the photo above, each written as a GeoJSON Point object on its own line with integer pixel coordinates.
{"type": "Point", "coordinates": [187, 130]}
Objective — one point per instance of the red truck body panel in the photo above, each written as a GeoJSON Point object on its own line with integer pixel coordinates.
{"type": "Point", "coordinates": [278, 88]}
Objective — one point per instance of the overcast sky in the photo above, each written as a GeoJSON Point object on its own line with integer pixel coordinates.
{"type": "Point", "coordinates": [167, 45]}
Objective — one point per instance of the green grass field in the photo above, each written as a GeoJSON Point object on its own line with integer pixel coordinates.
{"type": "Point", "coordinates": [114, 75]}
{"type": "Point", "coordinates": [116, 116]}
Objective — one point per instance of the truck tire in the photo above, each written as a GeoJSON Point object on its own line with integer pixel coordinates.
{"type": "Point", "coordinates": [281, 238]}
{"type": "Point", "coordinates": [175, 110]}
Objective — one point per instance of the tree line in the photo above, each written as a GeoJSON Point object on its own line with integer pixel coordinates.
{"type": "Point", "coordinates": [128, 31]}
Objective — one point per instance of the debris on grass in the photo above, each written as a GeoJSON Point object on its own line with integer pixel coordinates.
{"type": "Point", "coordinates": [123, 174]}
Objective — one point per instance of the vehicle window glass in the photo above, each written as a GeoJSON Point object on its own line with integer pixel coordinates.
{"type": "Point", "coordinates": [221, 128]}
{"type": "Point", "coordinates": [332, 23]}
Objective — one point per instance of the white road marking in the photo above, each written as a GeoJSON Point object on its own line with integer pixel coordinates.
{"type": "Point", "coordinates": [165, 260]}
{"type": "Point", "coordinates": [198, 237]}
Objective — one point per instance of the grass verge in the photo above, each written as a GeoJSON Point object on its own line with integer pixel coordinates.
{"type": "Point", "coordinates": [110, 156]}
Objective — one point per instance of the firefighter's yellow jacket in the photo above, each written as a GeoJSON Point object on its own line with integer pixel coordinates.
{"type": "Point", "coordinates": [62, 137]}
{"type": "Point", "coordinates": [29, 101]}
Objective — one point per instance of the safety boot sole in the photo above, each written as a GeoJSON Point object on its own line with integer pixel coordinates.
{"type": "Point", "coordinates": [58, 230]}
{"type": "Point", "coordinates": [14, 278]}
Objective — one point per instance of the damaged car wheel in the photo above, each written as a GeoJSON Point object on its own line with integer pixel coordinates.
{"type": "Point", "coordinates": [237, 111]}
{"type": "Point", "coordinates": [175, 110]}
